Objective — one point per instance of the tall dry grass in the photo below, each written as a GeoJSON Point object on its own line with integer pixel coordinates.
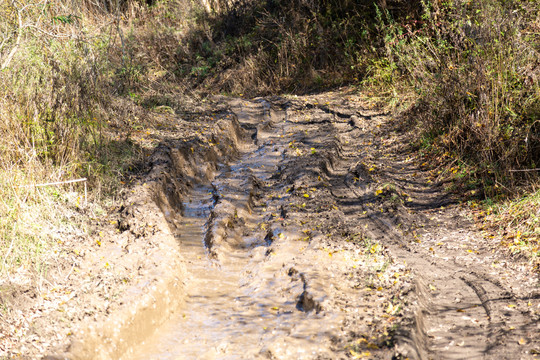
{"type": "Point", "coordinates": [263, 47]}
{"type": "Point", "coordinates": [64, 66]}
{"type": "Point", "coordinates": [472, 71]}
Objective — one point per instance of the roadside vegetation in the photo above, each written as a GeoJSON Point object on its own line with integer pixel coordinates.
{"type": "Point", "coordinates": [82, 81]}
{"type": "Point", "coordinates": [65, 113]}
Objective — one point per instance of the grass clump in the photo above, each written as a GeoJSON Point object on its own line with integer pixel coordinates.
{"type": "Point", "coordinates": [470, 75]}
{"type": "Point", "coordinates": [517, 223]}
{"type": "Point", "coordinates": [265, 47]}
{"type": "Point", "coordinates": [30, 217]}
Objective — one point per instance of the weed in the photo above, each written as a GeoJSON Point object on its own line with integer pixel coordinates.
{"type": "Point", "coordinates": [60, 68]}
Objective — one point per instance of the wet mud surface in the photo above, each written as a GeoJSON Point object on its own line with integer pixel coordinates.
{"type": "Point", "coordinates": [312, 232]}
{"type": "Point", "coordinates": [284, 228]}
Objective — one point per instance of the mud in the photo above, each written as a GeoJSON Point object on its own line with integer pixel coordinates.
{"type": "Point", "coordinates": [323, 238]}
{"type": "Point", "coordinates": [253, 291]}
{"type": "Point", "coordinates": [304, 228]}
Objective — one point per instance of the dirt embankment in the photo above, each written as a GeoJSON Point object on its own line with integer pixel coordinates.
{"type": "Point", "coordinates": [299, 228]}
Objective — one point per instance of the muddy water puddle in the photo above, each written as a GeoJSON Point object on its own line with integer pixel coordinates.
{"type": "Point", "coordinates": [214, 298]}
{"type": "Point", "coordinates": [241, 302]}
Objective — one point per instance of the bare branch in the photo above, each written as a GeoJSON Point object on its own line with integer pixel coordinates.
{"type": "Point", "coordinates": [13, 51]}
{"type": "Point", "coordinates": [64, 36]}
{"type": "Point", "coordinates": [526, 170]}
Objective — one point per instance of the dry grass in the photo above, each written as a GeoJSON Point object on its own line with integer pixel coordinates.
{"type": "Point", "coordinates": [30, 216]}
{"type": "Point", "coordinates": [517, 223]}
{"type": "Point", "coordinates": [65, 67]}
{"type": "Point", "coordinates": [473, 68]}
{"type": "Point", "coordinates": [267, 47]}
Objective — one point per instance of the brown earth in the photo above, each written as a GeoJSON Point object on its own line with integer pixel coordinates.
{"type": "Point", "coordinates": [286, 228]}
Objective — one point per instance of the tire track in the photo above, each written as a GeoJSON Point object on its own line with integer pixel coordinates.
{"type": "Point", "coordinates": [296, 218]}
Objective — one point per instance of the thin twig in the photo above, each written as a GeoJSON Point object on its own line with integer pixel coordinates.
{"type": "Point", "coordinates": [537, 169]}
{"type": "Point", "coordinates": [62, 36]}
{"type": "Point", "coordinates": [56, 183]}
{"type": "Point", "coordinates": [62, 183]}
{"type": "Point", "coordinates": [5, 64]}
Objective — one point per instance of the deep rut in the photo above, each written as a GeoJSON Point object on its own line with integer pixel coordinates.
{"type": "Point", "coordinates": [318, 239]}
{"type": "Point", "coordinates": [242, 301]}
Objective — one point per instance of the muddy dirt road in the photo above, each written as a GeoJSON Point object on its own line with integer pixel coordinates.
{"type": "Point", "coordinates": [310, 232]}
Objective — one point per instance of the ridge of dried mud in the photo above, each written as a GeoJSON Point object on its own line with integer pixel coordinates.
{"type": "Point", "coordinates": [330, 226]}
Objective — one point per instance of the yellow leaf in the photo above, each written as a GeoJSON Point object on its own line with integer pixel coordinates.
{"type": "Point", "coordinates": [281, 236]}
{"type": "Point", "coordinates": [306, 195]}
{"type": "Point", "coordinates": [378, 192]}
{"type": "Point", "coordinates": [357, 355]}
{"type": "Point", "coordinates": [392, 309]}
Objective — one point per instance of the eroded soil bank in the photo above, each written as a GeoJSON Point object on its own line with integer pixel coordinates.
{"type": "Point", "coordinates": [299, 228]}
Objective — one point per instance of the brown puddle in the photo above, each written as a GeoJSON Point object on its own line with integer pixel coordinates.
{"type": "Point", "coordinates": [241, 302]}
